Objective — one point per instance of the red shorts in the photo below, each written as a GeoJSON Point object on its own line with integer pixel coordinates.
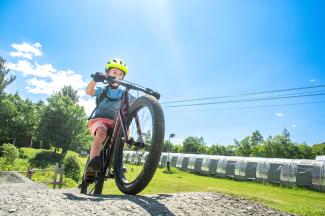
{"type": "Point", "coordinates": [96, 123]}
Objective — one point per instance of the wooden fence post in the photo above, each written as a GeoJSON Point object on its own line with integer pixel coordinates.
{"type": "Point", "coordinates": [60, 171]}
{"type": "Point", "coordinates": [30, 172]}
{"type": "Point", "coordinates": [55, 174]}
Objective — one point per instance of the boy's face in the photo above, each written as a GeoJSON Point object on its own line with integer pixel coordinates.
{"type": "Point", "coordinates": [116, 73]}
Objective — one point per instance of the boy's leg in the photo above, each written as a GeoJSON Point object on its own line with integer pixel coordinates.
{"type": "Point", "coordinates": [100, 136]}
{"type": "Point", "coordinates": [98, 128]}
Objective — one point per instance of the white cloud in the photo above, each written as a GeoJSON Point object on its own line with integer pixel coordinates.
{"type": "Point", "coordinates": [26, 50]}
{"type": "Point", "coordinates": [45, 78]}
{"type": "Point", "coordinates": [293, 125]}
{"type": "Point", "coordinates": [279, 114]}
{"type": "Point", "coordinates": [26, 68]}
{"type": "Point", "coordinates": [312, 80]}
{"type": "Point", "coordinates": [56, 82]}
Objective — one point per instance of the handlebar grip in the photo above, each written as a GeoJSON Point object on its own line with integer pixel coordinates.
{"type": "Point", "coordinates": [108, 78]}
{"type": "Point", "coordinates": [156, 95]}
{"type": "Point", "coordinates": [153, 93]}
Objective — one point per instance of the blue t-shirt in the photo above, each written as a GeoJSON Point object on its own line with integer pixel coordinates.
{"type": "Point", "coordinates": [109, 106]}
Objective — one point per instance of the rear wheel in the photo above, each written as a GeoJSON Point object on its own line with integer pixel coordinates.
{"type": "Point", "coordinates": [146, 128]}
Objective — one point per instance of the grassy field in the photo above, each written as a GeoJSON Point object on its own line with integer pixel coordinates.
{"type": "Point", "coordinates": [293, 200]}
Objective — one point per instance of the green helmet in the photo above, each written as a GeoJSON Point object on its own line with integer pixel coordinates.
{"type": "Point", "coordinates": [117, 63]}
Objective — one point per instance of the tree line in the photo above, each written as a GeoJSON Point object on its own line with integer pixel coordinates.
{"type": "Point", "coordinates": [60, 123]}
{"type": "Point", "coordinates": [278, 146]}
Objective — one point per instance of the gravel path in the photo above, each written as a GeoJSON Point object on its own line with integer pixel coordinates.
{"type": "Point", "coordinates": [35, 199]}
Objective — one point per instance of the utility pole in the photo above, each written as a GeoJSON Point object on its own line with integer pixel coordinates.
{"type": "Point", "coordinates": [169, 144]}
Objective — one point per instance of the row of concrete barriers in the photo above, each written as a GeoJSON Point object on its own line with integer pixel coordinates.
{"type": "Point", "coordinates": [290, 172]}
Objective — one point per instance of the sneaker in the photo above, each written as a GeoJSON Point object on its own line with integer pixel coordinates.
{"type": "Point", "coordinates": [92, 167]}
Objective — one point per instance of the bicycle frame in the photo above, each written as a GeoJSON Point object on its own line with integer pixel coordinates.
{"type": "Point", "coordinates": [119, 122]}
{"type": "Point", "coordinates": [107, 153]}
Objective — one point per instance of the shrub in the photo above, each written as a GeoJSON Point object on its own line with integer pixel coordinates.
{"type": "Point", "coordinates": [72, 168]}
{"type": "Point", "coordinates": [10, 153]}
{"type": "Point", "coordinates": [4, 165]}
{"type": "Point", "coordinates": [17, 165]}
{"type": "Point", "coordinates": [20, 165]}
{"type": "Point", "coordinates": [44, 159]}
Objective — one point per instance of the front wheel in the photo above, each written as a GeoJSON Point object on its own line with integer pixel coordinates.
{"type": "Point", "coordinates": [146, 129]}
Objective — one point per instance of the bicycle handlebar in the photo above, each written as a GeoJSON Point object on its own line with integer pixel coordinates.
{"type": "Point", "coordinates": [112, 79]}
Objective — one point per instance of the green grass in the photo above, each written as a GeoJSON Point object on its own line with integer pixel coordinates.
{"type": "Point", "coordinates": [293, 200]}
{"type": "Point", "coordinates": [30, 152]}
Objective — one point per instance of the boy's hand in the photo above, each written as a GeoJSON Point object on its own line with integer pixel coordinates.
{"type": "Point", "coordinates": [98, 77]}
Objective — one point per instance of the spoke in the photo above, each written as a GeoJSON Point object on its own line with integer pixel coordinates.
{"type": "Point", "coordinates": [136, 163]}
{"type": "Point", "coordinates": [148, 116]}
{"type": "Point", "coordinates": [91, 191]}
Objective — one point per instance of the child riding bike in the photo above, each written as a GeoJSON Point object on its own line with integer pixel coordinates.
{"type": "Point", "coordinates": [123, 126]}
{"type": "Point", "coordinates": [108, 103]}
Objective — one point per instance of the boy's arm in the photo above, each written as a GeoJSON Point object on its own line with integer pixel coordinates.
{"type": "Point", "coordinates": [90, 89]}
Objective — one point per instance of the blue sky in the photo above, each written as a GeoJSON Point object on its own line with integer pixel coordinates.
{"type": "Point", "coordinates": [184, 49]}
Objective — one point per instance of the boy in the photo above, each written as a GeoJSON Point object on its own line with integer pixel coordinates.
{"type": "Point", "coordinates": [105, 111]}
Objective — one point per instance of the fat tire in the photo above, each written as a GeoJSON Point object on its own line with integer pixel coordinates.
{"type": "Point", "coordinates": [152, 161]}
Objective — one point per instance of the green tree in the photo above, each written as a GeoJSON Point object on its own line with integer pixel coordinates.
{"type": "Point", "coordinates": [304, 151]}
{"type": "Point", "coordinates": [193, 144]}
{"type": "Point", "coordinates": [230, 150]}
{"type": "Point", "coordinates": [4, 82]}
{"type": "Point", "coordinates": [318, 149]}
{"type": "Point", "coordinates": [68, 91]}
{"type": "Point", "coordinates": [278, 146]}
{"type": "Point", "coordinates": [63, 124]}
{"type": "Point", "coordinates": [20, 118]}
{"type": "Point", "coordinates": [256, 138]}
{"type": "Point", "coordinates": [244, 147]}
{"type": "Point", "coordinates": [264, 150]}
{"type": "Point", "coordinates": [178, 148]}
{"type": "Point", "coordinates": [8, 118]}
{"type": "Point", "coordinates": [217, 149]}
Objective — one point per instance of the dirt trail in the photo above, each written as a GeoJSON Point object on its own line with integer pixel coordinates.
{"type": "Point", "coordinates": [34, 199]}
